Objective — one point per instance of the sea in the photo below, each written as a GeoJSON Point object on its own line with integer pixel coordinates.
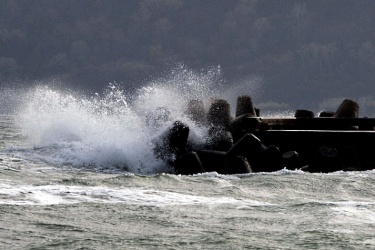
{"type": "Point", "coordinates": [78, 172]}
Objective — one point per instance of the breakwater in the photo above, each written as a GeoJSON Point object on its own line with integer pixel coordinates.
{"type": "Point", "coordinates": [332, 141]}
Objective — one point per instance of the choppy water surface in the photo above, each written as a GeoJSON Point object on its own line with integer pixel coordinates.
{"type": "Point", "coordinates": [80, 174]}
{"type": "Point", "coordinates": [47, 205]}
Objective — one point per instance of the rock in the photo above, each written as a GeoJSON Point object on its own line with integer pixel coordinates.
{"type": "Point", "coordinates": [170, 144]}
{"type": "Point", "coordinates": [271, 160]}
{"type": "Point", "coordinates": [244, 124]}
{"type": "Point", "coordinates": [219, 139]}
{"type": "Point", "coordinates": [238, 165]}
{"type": "Point", "coordinates": [218, 114]}
{"type": "Point", "coordinates": [325, 160]}
{"type": "Point", "coordinates": [248, 145]}
{"type": "Point", "coordinates": [347, 109]}
{"type": "Point", "coordinates": [196, 112]}
{"type": "Point", "coordinates": [189, 164]}
{"type": "Point", "coordinates": [326, 114]}
{"type": "Point", "coordinates": [213, 161]}
{"type": "Point", "coordinates": [245, 106]}
{"type": "Point", "coordinates": [291, 160]}
{"type": "Point", "coordinates": [302, 113]}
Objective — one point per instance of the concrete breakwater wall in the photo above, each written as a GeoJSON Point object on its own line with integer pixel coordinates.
{"type": "Point", "coordinates": [248, 143]}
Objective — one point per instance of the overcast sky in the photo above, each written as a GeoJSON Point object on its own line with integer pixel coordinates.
{"type": "Point", "coordinates": [305, 52]}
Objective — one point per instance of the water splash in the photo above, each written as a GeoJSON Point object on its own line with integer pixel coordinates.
{"type": "Point", "coordinates": [177, 88]}
{"type": "Point", "coordinates": [109, 130]}
{"type": "Point", "coordinates": [100, 131]}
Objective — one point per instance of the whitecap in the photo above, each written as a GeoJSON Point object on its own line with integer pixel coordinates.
{"type": "Point", "coordinates": [59, 194]}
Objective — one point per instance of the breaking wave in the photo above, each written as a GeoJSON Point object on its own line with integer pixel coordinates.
{"type": "Point", "coordinates": [110, 129]}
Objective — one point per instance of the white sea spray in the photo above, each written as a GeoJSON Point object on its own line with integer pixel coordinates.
{"type": "Point", "coordinates": [109, 130]}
